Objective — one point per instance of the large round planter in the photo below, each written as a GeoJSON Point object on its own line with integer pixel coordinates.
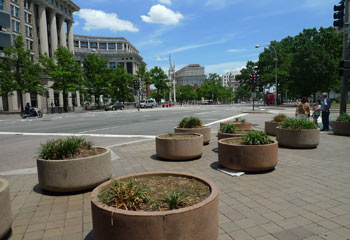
{"type": "Point", "coordinates": [305, 138]}
{"type": "Point", "coordinates": [270, 127]}
{"type": "Point", "coordinates": [229, 135]}
{"type": "Point", "coordinates": [240, 125]}
{"type": "Point", "coordinates": [5, 208]}
{"type": "Point", "coordinates": [179, 148]}
{"type": "Point", "coordinates": [199, 221]}
{"type": "Point", "coordinates": [74, 174]}
{"type": "Point", "coordinates": [247, 158]}
{"type": "Point", "coordinates": [205, 131]}
{"type": "Point", "coordinates": [341, 128]}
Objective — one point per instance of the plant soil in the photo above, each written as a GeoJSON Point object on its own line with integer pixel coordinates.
{"type": "Point", "coordinates": [85, 152]}
{"type": "Point", "coordinates": [238, 141]}
{"type": "Point", "coordinates": [159, 188]}
{"type": "Point", "coordinates": [177, 136]}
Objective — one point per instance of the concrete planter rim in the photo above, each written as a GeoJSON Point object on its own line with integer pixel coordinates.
{"type": "Point", "coordinates": [222, 141]}
{"type": "Point", "coordinates": [298, 130]}
{"type": "Point", "coordinates": [4, 184]}
{"type": "Point", "coordinates": [213, 194]}
{"type": "Point", "coordinates": [77, 159]}
{"type": "Point", "coordinates": [192, 128]}
{"type": "Point", "coordinates": [179, 139]}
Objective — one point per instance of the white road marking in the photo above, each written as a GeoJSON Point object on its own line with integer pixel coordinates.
{"type": "Point", "coordinates": [226, 119]}
{"type": "Point", "coordinates": [132, 142]}
{"type": "Point", "coordinates": [95, 130]}
{"type": "Point", "coordinates": [78, 135]}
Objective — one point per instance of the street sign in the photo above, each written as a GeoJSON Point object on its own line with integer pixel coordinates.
{"type": "Point", "coordinates": [254, 94]}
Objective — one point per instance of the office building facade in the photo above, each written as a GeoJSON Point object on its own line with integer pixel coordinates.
{"type": "Point", "coordinates": [42, 24]}
{"type": "Point", "coordinates": [229, 80]}
{"type": "Point", "coordinates": [192, 74]}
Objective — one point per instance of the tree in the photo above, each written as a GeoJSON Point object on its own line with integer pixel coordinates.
{"type": "Point", "coordinates": [19, 67]}
{"type": "Point", "coordinates": [159, 79]}
{"type": "Point", "coordinates": [96, 75]}
{"type": "Point", "coordinates": [143, 76]}
{"type": "Point", "coordinates": [65, 72]}
{"type": "Point", "coordinates": [242, 93]}
{"type": "Point", "coordinates": [121, 84]}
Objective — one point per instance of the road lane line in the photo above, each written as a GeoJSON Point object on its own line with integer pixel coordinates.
{"type": "Point", "coordinates": [226, 119]}
{"type": "Point", "coordinates": [122, 144]}
{"type": "Point", "coordinates": [78, 135]}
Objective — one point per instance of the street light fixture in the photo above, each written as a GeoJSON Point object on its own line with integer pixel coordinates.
{"type": "Point", "coordinates": [276, 60]}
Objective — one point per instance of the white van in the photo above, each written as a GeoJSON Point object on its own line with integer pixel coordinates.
{"type": "Point", "coordinates": [149, 103]}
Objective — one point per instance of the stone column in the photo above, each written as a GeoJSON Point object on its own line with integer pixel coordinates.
{"type": "Point", "coordinates": [26, 98]}
{"type": "Point", "coordinates": [1, 104]}
{"type": "Point", "coordinates": [40, 99]}
{"type": "Point", "coordinates": [53, 32]}
{"type": "Point", "coordinates": [63, 41]}
{"type": "Point", "coordinates": [13, 103]}
{"type": "Point", "coordinates": [51, 94]}
{"type": "Point", "coordinates": [70, 104]}
{"type": "Point", "coordinates": [78, 98]}
{"type": "Point", "coordinates": [44, 43]}
{"type": "Point", "coordinates": [61, 99]}
{"type": "Point", "coordinates": [93, 100]}
{"type": "Point", "coordinates": [70, 37]}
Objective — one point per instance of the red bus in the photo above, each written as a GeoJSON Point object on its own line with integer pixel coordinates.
{"type": "Point", "coordinates": [269, 98]}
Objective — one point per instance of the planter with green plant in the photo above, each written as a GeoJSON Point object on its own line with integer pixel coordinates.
{"type": "Point", "coordinates": [5, 208]}
{"type": "Point", "coordinates": [178, 146]}
{"type": "Point", "coordinates": [160, 205]}
{"type": "Point", "coordinates": [270, 126]}
{"type": "Point", "coordinates": [193, 125]}
{"type": "Point", "coordinates": [72, 164]}
{"type": "Point", "coordinates": [240, 123]}
{"type": "Point", "coordinates": [229, 131]}
{"type": "Point", "coordinates": [342, 125]}
{"type": "Point", "coordinates": [298, 133]}
{"type": "Point", "coordinates": [255, 152]}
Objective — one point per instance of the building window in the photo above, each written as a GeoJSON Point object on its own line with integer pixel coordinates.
{"type": "Point", "coordinates": [1, 4]}
{"type": "Point", "coordinates": [14, 11]}
{"type": "Point", "coordinates": [103, 45]}
{"type": "Point", "coordinates": [84, 44]}
{"type": "Point", "coordinates": [51, 1]}
{"type": "Point", "coordinates": [13, 38]}
{"type": "Point", "coordinates": [27, 4]}
{"type": "Point", "coordinates": [15, 1]}
{"type": "Point", "coordinates": [76, 43]}
{"type": "Point", "coordinates": [111, 45]}
{"type": "Point", "coordinates": [15, 26]}
{"type": "Point", "coordinates": [29, 31]}
{"type": "Point", "coordinates": [28, 17]}
{"type": "Point", "coordinates": [93, 45]}
{"type": "Point", "coordinates": [112, 64]}
{"type": "Point", "coordinates": [119, 46]}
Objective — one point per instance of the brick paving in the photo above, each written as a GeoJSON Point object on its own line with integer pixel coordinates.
{"type": "Point", "coordinates": [306, 197]}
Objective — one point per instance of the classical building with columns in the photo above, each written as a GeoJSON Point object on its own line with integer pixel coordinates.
{"type": "Point", "coordinates": [116, 50]}
{"type": "Point", "coordinates": [43, 25]}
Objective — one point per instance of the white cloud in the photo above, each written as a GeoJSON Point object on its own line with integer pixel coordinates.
{"type": "Point", "coordinates": [222, 68]}
{"type": "Point", "coordinates": [96, 20]}
{"type": "Point", "coordinates": [160, 59]}
{"type": "Point", "coordinates": [193, 46]}
{"type": "Point", "coordinates": [167, 2]}
{"type": "Point", "coordinates": [76, 23]}
{"type": "Point", "coordinates": [236, 50]}
{"type": "Point", "coordinates": [162, 15]}
{"type": "Point", "coordinates": [220, 4]}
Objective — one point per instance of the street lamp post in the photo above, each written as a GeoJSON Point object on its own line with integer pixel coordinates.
{"type": "Point", "coordinates": [276, 60]}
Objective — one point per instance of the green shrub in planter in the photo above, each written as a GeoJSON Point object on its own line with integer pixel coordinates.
{"type": "Point", "coordinates": [254, 137]}
{"type": "Point", "coordinates": [297, 124]}
{"type": "Point", "coordinates": [279, 117]}
{"type": "Point", "coordinates": [343, 117]}
{"type": "Point", "coordinates": [190, 122]}
{"type": "Point", "coordinates": [241, 120]}
{"type": "Point", "coordinates": [229, 128]}
{"type": "Point", "coordinates": [63, 148]}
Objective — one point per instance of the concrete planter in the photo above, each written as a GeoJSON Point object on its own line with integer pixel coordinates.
{"type": "Point", "coordinates": [5, 208]}
{"type": "Point", "coordinates": [341, 128]}
{"type": "Point", "coordinates": [305, 138]}
{"type": "Point", "coordinates": [248, 158]}
{"type": "Point", "coordinates": [241, 126]}
{"type": "Point", "coordinates": [74, 174]}
{"type": "Point", "coordinates": [199, 221]}
{"type": "Point", "coordinates": [179, 148]}
{"type": "Point", "coordinates": [270, 127]}
{"type": "Point", "coordinates": [229, 135]}
{"type": "Point", "coordinates": [205, 131]}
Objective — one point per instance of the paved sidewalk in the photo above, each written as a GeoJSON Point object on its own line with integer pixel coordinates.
{"type": "Point", "coordinates": [306, 197]}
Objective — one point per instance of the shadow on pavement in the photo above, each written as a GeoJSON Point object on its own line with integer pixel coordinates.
{"type": "Point", "coordinates": [7, 236]}
{"type": "Point", "coordinates": [155, 157]}
{"type": "Point", "coordinates": [215, 150]}
{"type": "Point", "coordinates": [90, 236]}
{"type": "Point", "coordinates": [39, 190]}
{"type": "Point", "coordinates": [216, 166]}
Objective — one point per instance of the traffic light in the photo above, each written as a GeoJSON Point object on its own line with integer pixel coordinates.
{"type": "Point", "coordinates": [135, 84]}
{"type": "Point", "coordinates": [344, 68]}
{"type": "Point", "coordinates": [339, 15]}
{"type": "Point", "coordinates": [138, 84]}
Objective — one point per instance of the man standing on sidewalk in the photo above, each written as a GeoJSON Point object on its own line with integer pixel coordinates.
{"type": "Point", "coordinates": [326, 104]}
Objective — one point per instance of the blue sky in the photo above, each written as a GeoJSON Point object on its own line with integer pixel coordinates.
{"type": "Point", "coordinates": [218, 34]}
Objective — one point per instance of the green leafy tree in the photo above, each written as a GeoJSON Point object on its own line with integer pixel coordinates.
{"type": "Point", "coordinates": [143, 76]}
{"type": "Point", "coordinates": [243, 93]}
{"type": "Point", "coordinates": [160, 81]}
{"type": "Point", "coordinates": [19, 67]}
{"type": "Point", "coordinates": [65, 72]}
{"type": "Point", "coordinates": [96, 75]}
{"type": "Point", "coordinates": [121, 84]}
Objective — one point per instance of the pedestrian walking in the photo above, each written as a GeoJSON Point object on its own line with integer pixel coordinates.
{"type": "Point", "coordinates": [325, 107]}
{"type": "Point", "coordinates": [316, 111]}
{"type": "Point", "coordinates": [303, 109]}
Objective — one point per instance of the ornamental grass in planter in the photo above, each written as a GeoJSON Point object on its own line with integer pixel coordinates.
{"type": "Point", "coordinates": [72, 164]}
{"type": "Point", "coordinates": [158, 206]}
{"type": "Point", "coordinates": [342, 125]}
{"type": "Point", "coordinates": [270, 126]}
{"type": "Point", "coordinates": [298, 133]}
{"type": "Point", "coordinates": [240, 123]}
{"type": "Point", "coordinates": [230, 130]}
{"type": "Point", "coordinates": [255, 152]}
{"type": "Point", "coordinates": [5, 208]}
{"type": "Point", "coordinates": [179, 146]}
{"type": "Point", "coordinates": [193, 125]}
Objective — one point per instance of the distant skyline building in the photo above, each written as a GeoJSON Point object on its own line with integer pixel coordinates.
{"type": "Point", "coordinates": [43, 25]}
{"type": "Point", "coordinates": [192, 74]}
{"type": "Point", "coordinates": [229, 80]}
{"type": "Point", "coordinates": [116, 50]}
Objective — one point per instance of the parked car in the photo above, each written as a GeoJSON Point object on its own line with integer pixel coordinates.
{"type": "Point", "coordinates": [149, 103]}
{"type": "Point", "coordinates": [115, 106]}
{"type": "Point", "coordinates": [167, 104]}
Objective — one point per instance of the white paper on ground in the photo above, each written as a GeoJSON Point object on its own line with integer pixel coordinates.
{"type": "Point", "coordinates": [230, 172]}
